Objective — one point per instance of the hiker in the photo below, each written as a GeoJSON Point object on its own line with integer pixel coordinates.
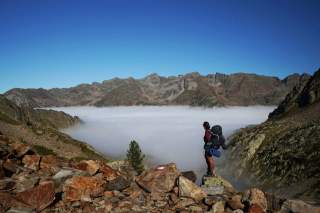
{"type": "Point", "coordinates": [208, 156]}
{"type": "Point", "coordinates": [213, 139]}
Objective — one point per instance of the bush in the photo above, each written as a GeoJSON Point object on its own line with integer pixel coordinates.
{"type": "Point", "coordinates": [135, 157]}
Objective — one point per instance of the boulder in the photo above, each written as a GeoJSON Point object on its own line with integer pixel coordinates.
{"type": "Point", "coordinates": [256, 196]}
{"type": "Point", "coordinates": [183, 202]}
{"type": "Point", "coordinates": [7, 184]}
{"type": "Point", "coordinates": [108, 173]}
{"type": "Point", "coordinates": [119, 184]}
{"type": "Point", "coordinates": [298, 206]}
{"type": "Point", "coordinates": [159, 179]}
{"type": "Point", "coordinates": [40, 196]}
{"type": "Point", "coordinates": [190, 175]}
{"type": "Point", "coordinates": [189, 189]}
{"type": "Point", "coordinates": [20, 149]}
{"type": "Point", "coordinates": [255, 208]}
{"type": "Point", "coordinates": [82, 188]}
{"type": "Point", "coordinates": [218, 207]}
{"type": "Point", "coordinates": [89, 166]}
{"type": "Point", "coordinates": [10, 165]}
{"type": "Point", "coordinates": [31, 161]}
{"type": "Point", "coordinates": [217, 185]}
{"type": "Point", "coordinates": [235, 202]}
{"type": "Point", "coordinates": [50, 162]}
{"type": "Point", "coordinates": [25, 181]}
{"type": "Point", "coordinates": [10, 201]}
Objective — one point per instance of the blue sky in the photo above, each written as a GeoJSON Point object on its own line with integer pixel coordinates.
{"type": "Point", "coordinates": [61, 43]}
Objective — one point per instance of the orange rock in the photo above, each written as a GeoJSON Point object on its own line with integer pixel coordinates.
{"type": "Point", "coordinates": [255, 208]}
{"type": "Point", "coordinates": [31, 161]}
{"type": "Point", "coordinates": [40, 196]}
{"type": "Point", "coordinates": [49, 162]}
{"type": "Point", "coordinates": [20, 148]}
{"type": "Point", "coordinates": [83, 188]}
{"type": "Point", "coordinates": [108, 173]}
{"type": "Point", "coordinates": [88, 165]}
{"type": "Point", "coordinates": [8, 200]}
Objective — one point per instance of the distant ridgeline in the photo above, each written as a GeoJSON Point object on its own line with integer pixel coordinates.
{"type": "Point", "coordinates": [283, 153]}
{"type": "Point", "coordinates": [238, 89]}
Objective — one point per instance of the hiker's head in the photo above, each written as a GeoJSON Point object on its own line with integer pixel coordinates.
{"type": "Point", "coordinates": [206, 125]}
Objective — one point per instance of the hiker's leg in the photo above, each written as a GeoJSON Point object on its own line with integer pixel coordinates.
{"type": "Point", "coordinates": [211, 163]}
{"type": "Point", "coordinates": [208, 163]}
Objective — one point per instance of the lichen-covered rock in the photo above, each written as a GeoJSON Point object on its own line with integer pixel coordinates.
{"type": "Point", "coordinates": [159, 179]}
{"type": "Point", "coordinates": [82, 188]}
{"type": "Point", "coordinates": [189, 189]}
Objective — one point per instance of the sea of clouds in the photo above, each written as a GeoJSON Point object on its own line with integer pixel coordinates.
{"type": "Point", "coordinates": [165, 133]}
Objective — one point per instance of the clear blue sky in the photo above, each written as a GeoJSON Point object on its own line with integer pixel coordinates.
{"type": "Point", "coordinates": [61, 43]}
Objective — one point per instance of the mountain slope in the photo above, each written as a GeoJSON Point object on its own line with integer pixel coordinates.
{"type": "Point", "coordinates": [39, 128]}
{"type": "Point", "coordinates": [283, 153]}
{"type": "Point", "coordinates": [190, 89]}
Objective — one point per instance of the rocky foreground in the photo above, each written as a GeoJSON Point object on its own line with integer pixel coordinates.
{"type": "Point", "coordinates": [30, 182]}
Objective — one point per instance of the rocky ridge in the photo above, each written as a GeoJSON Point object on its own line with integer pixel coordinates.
{"type": "Point", "coordinates": [30, 182]}
{"type": "Point", "coordinates": [281, 155]}
{"type": "Point", "coordinates": [240, 89]}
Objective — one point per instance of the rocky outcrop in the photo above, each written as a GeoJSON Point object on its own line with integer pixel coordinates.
{"type": "Point", "coordinates": [281, 154]}
{"type": "Point", "coordinates": [240, 89]}
{"type": "Point", "coordinates": [97, 186]}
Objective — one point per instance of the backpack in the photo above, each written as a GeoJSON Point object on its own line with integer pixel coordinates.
{"type": "Point", "coordinates": [217, 138]}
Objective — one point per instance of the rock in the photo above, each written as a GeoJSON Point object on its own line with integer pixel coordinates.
{"type": "Point", "coordinates": [10, 201]}
{"type": "Point", "coordinates": [119, 184]}
{"type": "Point", "coordinates": [256, 196]}
{"type": "Point", "coordinates": [88, 165]}
{"type": "Point", "coordinates": [184, 202]}
{"type": "Point", "coordinates": [50, 162]}
{"type": "Point", "coordinates": [40, 196]}
{"type": "Point", "coordinates": [25, 181]}
{"type": "Point", "coordinates": [190, 175]}
{"type": "Point", "coordinates": [82, 188]}
{"type": "Point", "coordinates": [235, 202]}
{"type": "Point", "coordinates": [298, 206]}
{"type": "Point", "coordinates": [21, 210]}
{"type": "Point", "coordinates": [20, 149]}
{"type": "Point", "coordinates": [195, 209]}
{"type": "Point", "coordinates": [255, 208]}
{"type": "Point", "coordinates": [159, 179]}
{"type": "Point", "coordinates": [7, 184]}
{"type": "Point", "coordinates": [237, 211]}
{"type": "Point", "coordinates": [212, 199]}
{"type": "Point", "coordinates": [212, 185]}
{"type": "Point", "coordinates": [188, 189]}
{"type": "Point", "coordinates": [108, 173]}
{"type": "Point", "coordinates": [10, 166]}
{"type": "Point", "coordinates": [218, 207]}
{"type": "Point", "coordinates": [31, 161]}
{"type": "Point", "coordinates": [274, 203]}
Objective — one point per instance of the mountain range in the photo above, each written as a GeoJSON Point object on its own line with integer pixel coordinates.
{"type": "Point", "coordinates": [240, 89]}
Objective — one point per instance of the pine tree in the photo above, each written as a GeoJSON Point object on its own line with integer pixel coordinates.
{"type": "Point", "coordinates": [135, 157]}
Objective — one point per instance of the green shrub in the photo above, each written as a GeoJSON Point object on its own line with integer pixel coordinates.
{"type": "Point", "coordinates": [135, 157]}
{"type": "Point", "coordinates": [41, 150]}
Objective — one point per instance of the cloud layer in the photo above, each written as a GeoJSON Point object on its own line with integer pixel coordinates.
{"type": "Point", "coordinates": [165, 134]}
